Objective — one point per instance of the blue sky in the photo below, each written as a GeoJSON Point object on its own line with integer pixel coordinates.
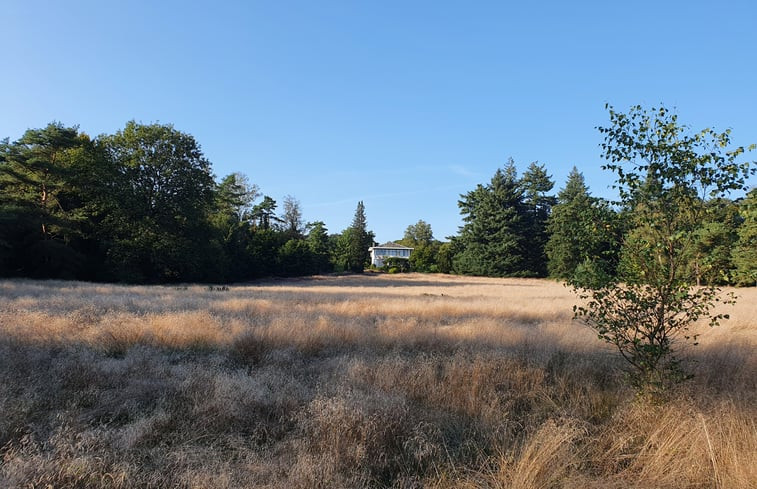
{"type": "Point", "coordinates": [402, 104]}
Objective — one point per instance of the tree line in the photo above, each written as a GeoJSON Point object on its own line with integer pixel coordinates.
{"type": "Point", "coordinates": [143, 206]}
{"type": "Point", "coordinates": [515, 227]}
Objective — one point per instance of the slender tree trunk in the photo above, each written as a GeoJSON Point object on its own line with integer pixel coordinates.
{"type": "Point", "coordinates": [43, 202]}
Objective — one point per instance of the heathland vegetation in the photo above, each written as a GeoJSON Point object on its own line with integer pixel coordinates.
{"type": "Point", "coordinates": [419, 381]}
{"type": "Point", "coordinates": [358, 381]}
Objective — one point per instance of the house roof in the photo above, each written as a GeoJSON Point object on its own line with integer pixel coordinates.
{"type": "Point", "coordinates": [393, 245]}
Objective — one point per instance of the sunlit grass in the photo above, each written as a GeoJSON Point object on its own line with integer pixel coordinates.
{"type": "Point", "coordinates": [357, 381]}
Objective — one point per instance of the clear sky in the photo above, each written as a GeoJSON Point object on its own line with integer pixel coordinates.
{"type": "Point", "coordinates": [402, 104]}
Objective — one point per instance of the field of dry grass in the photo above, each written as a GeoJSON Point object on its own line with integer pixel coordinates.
{"type": "Point", "coordinates": [374, 381]}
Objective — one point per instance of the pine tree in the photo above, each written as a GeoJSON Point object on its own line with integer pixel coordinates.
{"type": "Point", "coordinates": [582, 233]}
{"type": "Point", "coordinates": [360, 239]}
{"type": "Point", "coordinates": [318, 242]}
{"type": "Point", "coordinates": [264, 214]}
{"type": "Point", "coordinates": [538, 206]}
{"type": "Point", "coordinates": [710, 258]}
{"type": "Point", "coordinates": [492, 239]}
{"type": "Point", "coordinates": [744, 256]}
{"type": "Point", "coordinates": [45, 197]}
{"type": "Point", "coordinates": [234, 196]}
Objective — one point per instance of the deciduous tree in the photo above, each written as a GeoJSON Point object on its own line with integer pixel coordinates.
{"type": "Point", "coordinates": [165, 191]}
{"type": "Point", "coordinates": [418, 233]}
{"type": "Point", "coordinates": [664, 173]}
{"type": "Point", "coordinates": [292, 216]}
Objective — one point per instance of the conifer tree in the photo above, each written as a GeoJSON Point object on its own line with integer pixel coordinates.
{"type": "Point", "coordinates": [582, 233]}
{"type": "Point", "coordinates": [710, 259]}
{"type": "Point", "coordinates": [491, 242]}
{"type": "Point", "coordinates": [745, 255]}
{"type": "Point", "coordinates": [45, 199]}
{"type": "Point", "coordinates": [318, 242]}
{"type": "Point", "coordinates": [359, 240]}
{"type": "Point", "coordinates": [234, 196]}
{"type": "Point", "coordinates": [538, 204]}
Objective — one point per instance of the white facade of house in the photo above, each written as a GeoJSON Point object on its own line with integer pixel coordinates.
{"type": "Point", "coordinates": [388, 250]}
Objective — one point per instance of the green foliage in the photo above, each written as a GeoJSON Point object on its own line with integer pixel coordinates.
{"type": "Point", "coordinates": [663, 175]}
{"type": "Point", "coordinates": [296, 258]}
{"type": "Point", "coordinates": [232, 232]}
{"type": "Point", "coordinates": [397, 264]}
{"type": "Point", "coordinates": [262, 252]}
{"type": "Point", "coordinates": [141, 205]}
{"type": "Point", "coordinates": [354, 252]}
{"type": "Point", "coordinates": [537, 206]}
{"type": "Point", "coordinates": [745, 252]}
{"type": "Point", "coordinates": [318, 242]}
{"type": "Point", "coordinates": [505, 225]}
{"type": "Point", "coordinates": [339, 246]}
{"type": "Point", "coordinates": [264, 214]}
{"type": "Point", "coordinates": [418, 233]}
{"type": "Point", "coordinates": [590, 274]}
{"type": "Point", "coordinates": [46, 198]}
{"type": "Point", "coordinates": [492, 242]}
{"type": "Point", "coordinates": [445, 257]}
{"type": "Point", "coordinates": [643, 323]}
{"type": "Point", "coordinates": [165, 173]}
{"type": "Point", "coordinates": [710, 260]}
{"type": "Point", "coordinates": [583, 235]}
{"type": "Point", "coordinates": [425, 257]}
{"type": "Point", "coordinates": [234, 196]}
{"type": "Point", "coordinates": [165, 195]}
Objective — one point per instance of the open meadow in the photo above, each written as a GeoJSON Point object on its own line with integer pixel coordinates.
{"type": "Point", "coordinates": [356, 381]}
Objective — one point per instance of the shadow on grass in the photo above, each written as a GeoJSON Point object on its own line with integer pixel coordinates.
{"type": "Point", "coordinates": [388, 280]}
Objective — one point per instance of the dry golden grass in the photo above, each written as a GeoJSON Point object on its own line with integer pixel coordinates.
{"type": "Point", "coordinates": [357, 381]}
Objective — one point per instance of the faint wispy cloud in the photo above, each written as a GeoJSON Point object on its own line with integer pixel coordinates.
{"type": "Point", "coordinates": [387, 195]}
{"type": "Point", "coordinates": [462, 171]}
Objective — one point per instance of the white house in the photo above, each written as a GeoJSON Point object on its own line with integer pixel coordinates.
{"type": "Point", "coordinates": [388, 250]}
